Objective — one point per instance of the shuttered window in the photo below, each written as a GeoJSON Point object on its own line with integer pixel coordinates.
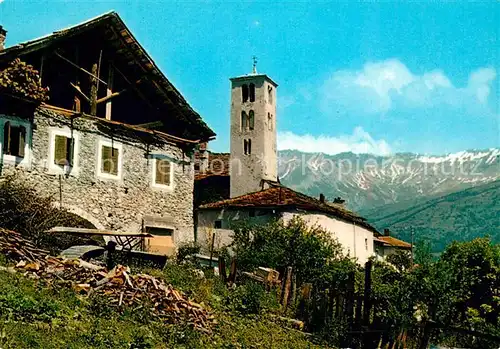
{"type": "Point", "coordinates": [63, 151]}
{"type": "Point", "coordinates": [109, 160]}
{"type": "Point", "coordinates": [163, 172]}
{"type": "Point", "coordinates": [14, 140]}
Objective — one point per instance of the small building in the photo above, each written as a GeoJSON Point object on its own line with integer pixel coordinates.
{"type": "Point", "coordinates": [243, 186]}
{"type": "Point", "coordinates": [114, 142]}
{"type": "Point", "coordinates": [386, 245]}
{"type": "Point", "coordinates": [279, 202]}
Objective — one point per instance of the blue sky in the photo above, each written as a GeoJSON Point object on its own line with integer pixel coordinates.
{"type": "Point", "coordinates": [379, 77]}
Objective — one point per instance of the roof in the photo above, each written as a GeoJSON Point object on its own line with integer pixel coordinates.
{"type": "Point", "coordinates": [218, 165]}
{"type": "Point", "coordinates": [392, 241]}
{"type": "Point", "coordinates": [253, 76]}
{"type": "Point", "coordinates": [284, 197]}
{"type": "Point", "coordinates": [132, 50]}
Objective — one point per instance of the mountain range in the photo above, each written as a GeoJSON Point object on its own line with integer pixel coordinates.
{"type": "Point", "coordinates": [440, 198]}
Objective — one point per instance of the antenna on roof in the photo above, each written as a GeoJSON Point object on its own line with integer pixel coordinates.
{"type": "Point", "coordinates": [254, 68]}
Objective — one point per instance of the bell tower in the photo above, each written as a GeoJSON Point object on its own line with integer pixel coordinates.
{"type": "Point", "coordinates": [253, 132]}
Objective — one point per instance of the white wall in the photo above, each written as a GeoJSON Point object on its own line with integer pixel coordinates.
{"type": "Point", "coordinates": [355, 240]}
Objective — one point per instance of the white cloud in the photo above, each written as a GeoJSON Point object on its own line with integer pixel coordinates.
{"type": "Point", "coordinates": [359, 142]}
{"type": "Point", "coordinates": [379, 87]}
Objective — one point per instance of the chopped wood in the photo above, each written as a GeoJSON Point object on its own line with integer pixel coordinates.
{"type": "Point", "coordinates": [120, 286]}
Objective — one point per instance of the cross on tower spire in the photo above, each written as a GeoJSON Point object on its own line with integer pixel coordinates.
{"type": "Point", "coordinates": [254, 68]}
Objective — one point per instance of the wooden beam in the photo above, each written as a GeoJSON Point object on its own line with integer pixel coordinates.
{"type": "Point", "coordinates": [80, 92]}
{"type": "Point", "coordinates": [80, 68]}
{"type": "Point", "coordinates": [134, 87]}
{"type": "Point", "coordinates": [93, 91]}
{"type": "Point", "coordinates": [109, 90]}
{"type": "Point", "coordinates": [109, 97]}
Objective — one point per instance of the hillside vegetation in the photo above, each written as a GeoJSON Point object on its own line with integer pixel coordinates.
{"type": "Point", "coordinates": [460, 216]}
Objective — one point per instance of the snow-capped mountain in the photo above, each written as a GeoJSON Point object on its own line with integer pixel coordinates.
{"type": "Point", "coordinates": [367, 181]}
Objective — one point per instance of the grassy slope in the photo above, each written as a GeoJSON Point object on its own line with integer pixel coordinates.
{"type": "Point", "coordinates": [33, 315]}
{"type": "Point", "coordinates": [462, 215]}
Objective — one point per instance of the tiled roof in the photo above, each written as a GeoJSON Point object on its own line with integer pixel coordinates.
{"type": "Point", "coordinates": [280, 196]}
{"type": "Point", "coordinates": [218, 165]}
{"type": "Point", "coordinates": [392, 241]}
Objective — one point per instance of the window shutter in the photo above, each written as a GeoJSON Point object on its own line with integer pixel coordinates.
{"type": "Point", "coordinates": [114, 161]}
{"type": "Point", "coordinates": [6, 138]}
{"type": "Point", "coordinates": [60, 150]}
{"type": "Point", "coordinates": [70, 149]}
{"type": "Point", "coordinates": [106, 159]}
{"type": "Point", "coordinates": [163, 168]}
{"type": "Point", "coordinates": [22, 141]}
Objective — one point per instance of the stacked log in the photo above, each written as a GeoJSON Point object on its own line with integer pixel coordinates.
{"type": "Point", "coordinates": [118, 285]}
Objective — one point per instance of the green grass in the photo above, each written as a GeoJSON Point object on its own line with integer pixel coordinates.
{"type": "Point", "coordinates": [36, 315]}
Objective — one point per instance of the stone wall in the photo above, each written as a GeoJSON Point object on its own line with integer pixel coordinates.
{"type": "Point", "coordinates": [118, 204]}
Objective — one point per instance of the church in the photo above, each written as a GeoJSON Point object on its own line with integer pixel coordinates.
{"type": "Point", "coordinates": [244, 185]}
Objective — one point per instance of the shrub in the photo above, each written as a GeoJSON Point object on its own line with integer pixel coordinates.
{"type": "Point", "coordinates": [23, 210]}
{"type": "Point", "coordinates": [311, 251]}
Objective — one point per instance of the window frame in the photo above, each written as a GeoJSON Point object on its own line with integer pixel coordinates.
{"type": "Point", "coordinates": [74, 169]}
{"type": "Point", "coordinates": [154, 159]}
{"type": "Point", "coordinates": [13, 159]}
{"type": "Point", "coordinates": [115, 145]}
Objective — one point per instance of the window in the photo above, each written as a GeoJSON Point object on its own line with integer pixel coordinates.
{"type": "Point", "coordinates": [14, 140]}
{"type": "Point", "coordinates": [270, 94]}
{"type": "Point", "coordinates": [366, 244]}
{"type": "Point", "coordinates": [252, 93]}
{"type": "Point", "coordinates": [110, 159]}
{"type": "Point", "coordinates": [247, 146]}
{"type": "Point", "coordinates": [269, 121]}
{"type": "Point", "coordinates": [218, 224]}
{"type": "Point", "coordinates": [63, 150]}
{"type": "Point", "coordinates": [251, 120]}
{"type": "Point", "coordinates": [244, 121]}
{"type": "Point", "coordinates": [244, 93]}
{"type": "Point", "coordinates": [160, 231]}
{"type": "Point", "coordinates": [163, 173]}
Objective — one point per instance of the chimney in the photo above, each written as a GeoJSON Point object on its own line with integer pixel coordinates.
{"type": "Point", "coordinates": [322, 198]}
{"type": "Point", "coordinates": [339, 200]}
{"type": "Point", "coordinates": [3, 35]}
{"type": "Point", "coordinates": [387, 232]}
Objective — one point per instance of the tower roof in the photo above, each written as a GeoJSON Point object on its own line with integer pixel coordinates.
{"type": "Point", "coordinates": [250, 77]}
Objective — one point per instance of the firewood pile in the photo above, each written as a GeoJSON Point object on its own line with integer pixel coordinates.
{"type": "Point", "coordinates": [122, 288]}
{"type": "Point", "coordinates": [15, 247]}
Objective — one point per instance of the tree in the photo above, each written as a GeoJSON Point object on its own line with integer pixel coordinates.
{"type": "Point", "coordinates": [310, 250]}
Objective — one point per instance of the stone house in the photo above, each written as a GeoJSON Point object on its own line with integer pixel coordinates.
{"type": "Point", "coordinates": [113, 143]}
{"type": "Point", "coordinates": [243, 186]}
{"type": "Point", "coordinates": [386, 245]}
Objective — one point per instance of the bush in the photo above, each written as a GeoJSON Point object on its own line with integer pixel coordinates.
{"type": "Point", "coordinates": [23, 210]}
{"type": "Point", "coordinates": [313, 254]}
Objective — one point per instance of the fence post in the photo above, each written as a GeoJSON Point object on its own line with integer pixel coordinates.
{"type": "Point", "coordinates": [222, 269]}
{"type": "Point", "coordinates": [287, 282]}
{"type": "Point", "coordinates": [232, 271]}
{"type": "Point", "coordinates": [367, 305]}
{"type": "Point", "coordinates": [349, 310]}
